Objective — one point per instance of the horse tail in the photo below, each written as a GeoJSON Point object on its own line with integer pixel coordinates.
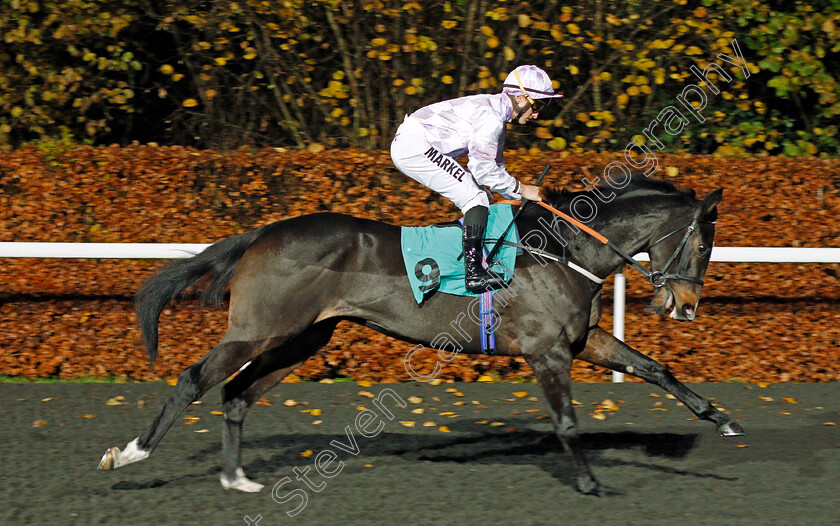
{"type": "Point", "coordinates": [216, 264]}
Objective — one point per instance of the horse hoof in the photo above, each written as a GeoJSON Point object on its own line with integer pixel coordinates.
{"type": "Point", "coordinates": [596, 489]}
{"type": "Point", "coordinates": [731, 429]}
{"type": "Point", "coordinates": [241, 483]}
{"type": "Point", "coordinates": [114, 458]}
{"type": "Point", "coordinates": [605, 491]}
{"type": "Point", "coordinates": [109, 459]}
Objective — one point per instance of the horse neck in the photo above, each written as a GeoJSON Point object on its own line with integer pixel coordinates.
{"type": "Point", "coordinates": [630, 222]}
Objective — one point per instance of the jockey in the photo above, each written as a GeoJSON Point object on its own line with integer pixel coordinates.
{"type": "Point", "coordinates": [428, 141]}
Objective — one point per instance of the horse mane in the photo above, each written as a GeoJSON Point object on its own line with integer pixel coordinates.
{"type": "Point", "coordinates": [558, 197]}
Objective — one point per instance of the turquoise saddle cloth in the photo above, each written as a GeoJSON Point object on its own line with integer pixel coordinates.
{"type": "Point", "coordinates": [430, 254]}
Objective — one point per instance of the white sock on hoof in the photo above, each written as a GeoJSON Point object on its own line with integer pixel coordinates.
{"type": "Point", "coordinates": [114, 458]}
{"type": "Point", "coordinates": [241, 483]}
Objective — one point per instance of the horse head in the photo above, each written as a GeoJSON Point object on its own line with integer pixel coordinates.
{"type": "Point", "coordinates": [679, 258]}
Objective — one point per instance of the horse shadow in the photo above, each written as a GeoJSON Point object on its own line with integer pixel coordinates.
{"type": "Point", "coordinates": [475, 443]}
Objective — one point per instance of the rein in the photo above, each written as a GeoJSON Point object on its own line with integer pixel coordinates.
{"type": "Point", "coordinates": [657, 278]}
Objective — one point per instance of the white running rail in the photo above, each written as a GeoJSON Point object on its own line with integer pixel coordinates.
{"type": "Point", "coordinates": [185, 250]}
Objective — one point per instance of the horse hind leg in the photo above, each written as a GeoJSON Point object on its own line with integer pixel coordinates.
{"type": "Point", "coordinates": [222, 361]}
{"type": "Point", "coordinates": [263, 373]}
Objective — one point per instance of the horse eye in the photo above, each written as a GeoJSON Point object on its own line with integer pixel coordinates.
{"type": "Point", "coordinates": [703, 249]}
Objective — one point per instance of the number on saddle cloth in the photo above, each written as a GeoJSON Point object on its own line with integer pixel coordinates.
{"type": "Point", "coordinates": [431, 254]}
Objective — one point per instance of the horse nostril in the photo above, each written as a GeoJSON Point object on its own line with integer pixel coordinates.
{"type": "Point", "coordinates": [688, 309]}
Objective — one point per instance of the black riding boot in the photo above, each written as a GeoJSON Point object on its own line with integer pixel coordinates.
{"type": "Point", "coordinates": [478, 279]}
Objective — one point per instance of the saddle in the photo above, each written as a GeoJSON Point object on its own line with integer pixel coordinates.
{"type": "Point", "coordinates": [433, 254]}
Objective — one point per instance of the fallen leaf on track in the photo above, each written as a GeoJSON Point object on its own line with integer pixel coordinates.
{"type": "Point", "coordinates": [117, 400]}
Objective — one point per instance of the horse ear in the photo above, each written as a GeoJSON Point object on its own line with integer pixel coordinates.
{"type": "Point", "coordinates": [709, 204]}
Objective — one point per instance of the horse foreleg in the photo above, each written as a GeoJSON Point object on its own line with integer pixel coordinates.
{"type": "Point", "coordinates": [604, 349]}
{"type": "Point", "coordinates": [553, 371]}
{"type": "Point", "coordinates": [238, 395]}
{"type": "Point", "coordinates": [222, 361]}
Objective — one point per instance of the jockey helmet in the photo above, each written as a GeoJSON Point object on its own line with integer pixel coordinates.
{"type": "Point", "coordinates": [530, 81]}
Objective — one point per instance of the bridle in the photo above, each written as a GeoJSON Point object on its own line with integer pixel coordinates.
{"type": "Point", "coordinates": [658, 278]}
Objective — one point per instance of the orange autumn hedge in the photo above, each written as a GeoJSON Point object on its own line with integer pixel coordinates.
{"type": "Point", "coordinates": [73, 318]}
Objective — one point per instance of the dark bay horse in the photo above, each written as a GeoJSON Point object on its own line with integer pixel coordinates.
{"type": "Point", "coordinates": [291, 282]}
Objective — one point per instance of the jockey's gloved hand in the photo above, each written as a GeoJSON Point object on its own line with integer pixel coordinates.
{"type": "Point", "coordinates": [530, 192]}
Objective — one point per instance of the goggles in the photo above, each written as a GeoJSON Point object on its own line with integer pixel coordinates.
{"type": "Point", "coordinates": [536, 105]}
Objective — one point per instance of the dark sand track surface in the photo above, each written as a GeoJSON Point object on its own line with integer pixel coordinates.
{"type": "Point", "coordinates": [489, 457]}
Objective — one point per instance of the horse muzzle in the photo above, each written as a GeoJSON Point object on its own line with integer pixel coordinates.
{"type": "Point", "coordinates": [682, 308]}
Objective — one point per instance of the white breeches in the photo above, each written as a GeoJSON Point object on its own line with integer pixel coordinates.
{"type": "Point", "coordinates": [415, 157]}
